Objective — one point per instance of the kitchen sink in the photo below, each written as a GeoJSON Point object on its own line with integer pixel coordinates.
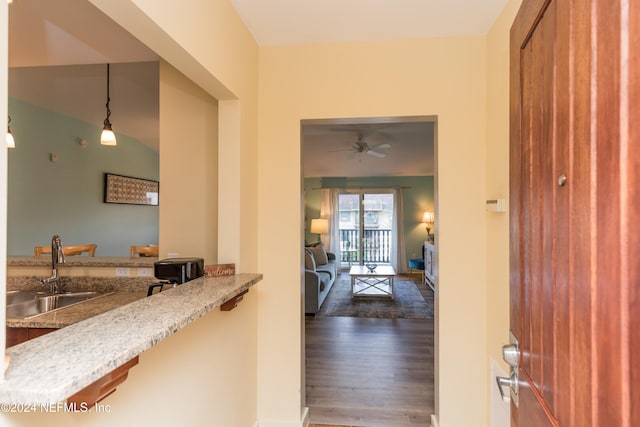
{"type": "Point", "coordinates": [15, 297]}
{"type": "Point", "coordinates": [27, 304]}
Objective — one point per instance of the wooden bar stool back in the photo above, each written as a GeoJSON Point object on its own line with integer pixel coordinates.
{"type": "Point", "coordinates": [144, 251]}
{"type": "Point", "coordinates": [72, 250]}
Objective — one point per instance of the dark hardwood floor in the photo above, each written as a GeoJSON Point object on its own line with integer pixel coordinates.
{"type": "Point", "coordinates": [369, 372]}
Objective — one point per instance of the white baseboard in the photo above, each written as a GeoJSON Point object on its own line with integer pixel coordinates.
{"type": "Point", "coordinates": [304, 421]}
{"type": "Point", "coordinates": [280, 424]}
{"type": "Point", "coordinates": [434, 421]}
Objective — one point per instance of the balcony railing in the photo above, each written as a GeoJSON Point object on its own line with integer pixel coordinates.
{"type": "Point", "coordinates": [376, 245]}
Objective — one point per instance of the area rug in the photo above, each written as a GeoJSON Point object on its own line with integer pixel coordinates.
{"type": "Point", "coordinates": [408, 303]}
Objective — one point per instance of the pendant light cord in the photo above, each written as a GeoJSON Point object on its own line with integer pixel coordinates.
{"type": "Point", "coordinates": [107, 123]}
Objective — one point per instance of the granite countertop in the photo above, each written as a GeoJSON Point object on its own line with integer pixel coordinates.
{"type": "Point", "coordinates": [82, 261]}
{"type": "Point", "coordinates": [57, 365]}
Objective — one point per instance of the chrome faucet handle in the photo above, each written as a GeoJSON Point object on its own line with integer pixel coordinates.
{"type": "Point", "coordinates": [56, 250]}
{"type": "Point", "coordinates": [57, 257]}
{"type": "Point", "coordinates": [61, 258]}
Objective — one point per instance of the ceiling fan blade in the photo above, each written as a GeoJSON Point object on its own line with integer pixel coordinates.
{"type": "Point", "coordinates": [375, 153]}
{"type": "Point", "coordinates": [385, 145]}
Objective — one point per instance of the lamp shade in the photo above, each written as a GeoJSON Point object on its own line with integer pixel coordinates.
{"type": "Point", "coordinates": [428, 217]}
{"type": "Point", "coordinates": [319, 226]}
{"type": "Point", "coordinates": [108, 137]}
{"type": "Point", "coordinates": [11, 143]}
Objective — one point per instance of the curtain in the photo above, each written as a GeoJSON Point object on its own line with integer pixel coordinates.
{"type": "Point", "coordinates": [329, 210]}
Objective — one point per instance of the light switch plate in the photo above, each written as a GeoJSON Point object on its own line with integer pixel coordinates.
{"type": "Point", "coordinates": [123, 271]}
{"type": "Point", "coordinates": [497, 205]}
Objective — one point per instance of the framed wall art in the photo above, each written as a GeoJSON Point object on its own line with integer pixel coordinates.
{"type": "Point", "coordinates": [130, 191]}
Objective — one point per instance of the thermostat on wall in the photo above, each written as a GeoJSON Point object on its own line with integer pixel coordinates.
{"type": "Point", "coordinates": [497, 205]}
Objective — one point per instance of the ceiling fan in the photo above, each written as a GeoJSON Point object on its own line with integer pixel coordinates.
{"type": "Point", "coordinates": [360, 146]}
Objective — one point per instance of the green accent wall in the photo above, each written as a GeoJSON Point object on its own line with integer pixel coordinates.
{"type": "Point", "coordinates": [66, 197]}
{"type": "Point", "coordinates": [417, 199]}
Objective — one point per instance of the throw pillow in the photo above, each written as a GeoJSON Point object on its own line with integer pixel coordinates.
{"type": "Point", "coordinates": [320, 254]}
{"type": "Point", "coordinates": [309, 261]}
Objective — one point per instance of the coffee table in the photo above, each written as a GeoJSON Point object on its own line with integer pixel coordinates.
{"type": "Point", "coordinates": [365, 282]}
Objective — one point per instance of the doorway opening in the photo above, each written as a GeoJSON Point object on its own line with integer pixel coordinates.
{"type": "Point", "coordinates": [348, 352]}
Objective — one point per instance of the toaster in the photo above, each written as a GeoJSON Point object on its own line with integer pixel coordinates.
{"type": "Point", "coordinates": [176, 271]}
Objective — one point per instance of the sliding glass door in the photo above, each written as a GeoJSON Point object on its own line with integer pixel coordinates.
{"type": "Point", "coordinates": [366, 227]}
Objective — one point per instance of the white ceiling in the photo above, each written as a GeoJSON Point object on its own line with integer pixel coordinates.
{"type": "Point", "coordinates": [57, 61]}
{"type": "Point", "coordinates": [65, 32]}
{"type": "Point", "coordinates": [48, 45]}
{"type": "Point", "coordinates": [283, 22]}
{"type": "Point", "coordinates": [329, 147]}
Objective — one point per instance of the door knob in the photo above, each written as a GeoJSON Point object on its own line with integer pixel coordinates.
{"type": "Point", "coordinates": [562, 180]}
{"type": "Point", "coordinates": [511, 384]}
{"type": "Point", "coordinates": [511, 354]}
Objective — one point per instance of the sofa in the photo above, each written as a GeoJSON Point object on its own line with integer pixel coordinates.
{"type": "Point", "coordinates": [321, 271]}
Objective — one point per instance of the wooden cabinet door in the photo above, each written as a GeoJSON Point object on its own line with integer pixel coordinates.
{"type": "Point", "coordinates": [575, 212]}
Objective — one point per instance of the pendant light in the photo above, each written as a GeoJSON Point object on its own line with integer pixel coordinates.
{"type": "Point", "coordinates": [11, 143]}
{"type": "Point", "coordinates": [108, 137]}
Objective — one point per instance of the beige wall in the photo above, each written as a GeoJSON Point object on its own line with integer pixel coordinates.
{"type": "Point", "coordinates": [188, 168]}
{"type": "Point", "coordinates": [442, 77]}
{"type": "Point", "coordinates": [219, 54]}
{"type": "Point", "coordinates": [210, 45]}
{"type": "Point", "coordinates": [497, 158]}
{"type": "Point", "coordinates": [498, 180]}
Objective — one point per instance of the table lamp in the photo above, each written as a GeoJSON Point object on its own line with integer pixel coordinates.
{"type": "Point", "coordinates": [319, 226]}
{"type": "Point", "coordinates": [428, 219]}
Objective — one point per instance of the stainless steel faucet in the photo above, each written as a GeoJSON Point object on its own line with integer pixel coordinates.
{"type": "Point", "coordinates": [57, 257]}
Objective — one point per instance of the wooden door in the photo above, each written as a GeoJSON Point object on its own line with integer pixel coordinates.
{"type": "Point", "coordinates": [575, 212]}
